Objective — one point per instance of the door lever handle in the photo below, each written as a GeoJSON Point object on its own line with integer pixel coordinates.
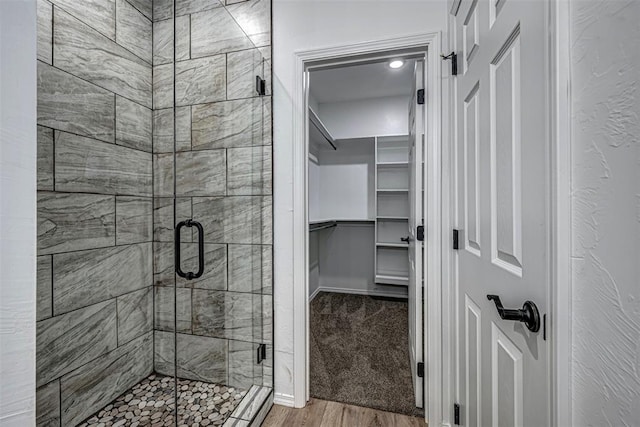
{"type": "Point", "coordinates": [405, 239]}
{"type": "Point", "coordinates": [528, 314]}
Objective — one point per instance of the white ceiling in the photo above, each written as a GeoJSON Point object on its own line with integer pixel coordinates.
{"type": "Point", "coordinates": [361, 82]}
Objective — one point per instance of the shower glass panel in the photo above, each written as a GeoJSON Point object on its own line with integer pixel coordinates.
{"type": "Point", "coordinates": [214, 180]}
{"type": "Point", "coordinates": [153, 114]}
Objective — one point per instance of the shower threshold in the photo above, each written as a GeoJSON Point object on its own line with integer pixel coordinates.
{"type": "Point", "coordinates": [151, 402]}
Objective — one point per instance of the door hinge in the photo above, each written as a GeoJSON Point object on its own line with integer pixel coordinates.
{"type": "Point", "coordinates": [262, 352]}
{"type": "Point", "coordinates": [454, 62]}
{"type": "Point", "coordinates": [420, 96]}
{"type": "Point", "coordinates": [261, 86]}
{"type": "Point", "coordinates": [420, 369]}
{"type": "Point", "coordinates": [420, 233]}
{"type": "Point", "coordinates": [456, 414]}
{"type": "Point", "coordinates": [456, 239]}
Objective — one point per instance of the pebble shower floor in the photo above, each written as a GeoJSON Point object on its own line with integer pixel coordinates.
{"type": "Point", "coordinates": [151, 403]}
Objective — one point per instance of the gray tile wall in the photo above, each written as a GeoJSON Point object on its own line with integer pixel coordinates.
{"type": "Point", "coordinates": [95, 206]}
{"type": "Point", "coordinates": [223, 179]}
{"type": "Point", "coordinates": [105, 289]}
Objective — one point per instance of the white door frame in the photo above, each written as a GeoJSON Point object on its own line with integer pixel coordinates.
{"type": "Point", "coordinates": [437, 257]}
{"type": "Point", "coordinates": [559, 327]}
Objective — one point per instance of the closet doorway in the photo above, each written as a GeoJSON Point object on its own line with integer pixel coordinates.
{"type": "Point", "coordinates": [366, 136]}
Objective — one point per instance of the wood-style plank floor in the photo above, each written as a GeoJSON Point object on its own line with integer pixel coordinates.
{"type": "Point", "coordinates": [321, 413]}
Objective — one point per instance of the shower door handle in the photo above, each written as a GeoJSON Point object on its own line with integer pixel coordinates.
{"type": "Point", "coordinates": [190, 275]}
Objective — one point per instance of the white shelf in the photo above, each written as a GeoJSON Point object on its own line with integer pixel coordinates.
{"type": "Point", "coordinates": [392, 280]}
{"type": "Point", "coordinates": [393, 178]}
{"type": "Point", "coordinates": [318, 221]}
{"type": "Point", "coordinates": [394, 204]}
{"type": "Point", "coordinates": [391, 232]}
{"type": "Point", "coordinates": [393, 164]}
{"type": "Point", "coordinates": [392, 149]}
{"type": "Point", "coordinates": [392, 210]}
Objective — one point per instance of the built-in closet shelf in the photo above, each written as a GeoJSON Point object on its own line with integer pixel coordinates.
{"type": "Point", "coordinates": [392, 245]}
{"type": "Point", "coordinates": [392, 280]}
{"type": "Point", "coordinates": [331, 223]}
{"type": "Point", "coordinates": [392, 210]}
{"type": "Point", "coordinates": [393, 164]}
{"type": "Point", "coordinates": [365, 220]}
{"type": "Point", "coordinates": [322, 225]}
{"type": "Point", "coordinates": [392, 149]}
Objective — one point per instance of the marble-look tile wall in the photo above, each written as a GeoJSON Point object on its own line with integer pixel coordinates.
{"type": "Point", "coordinates": [223, 179]}
{"type": "Point", "coordinates": [106, 191]}
{"type": "Point", "coordinates": [95, 204]}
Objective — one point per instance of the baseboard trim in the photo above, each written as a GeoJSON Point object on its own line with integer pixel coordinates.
{"type": "Point", "coordinates": [371, 293]}
{"type": "Point", "coordinates": [284, 400]}
{"type": "Point", "coordinates": [315, 293]}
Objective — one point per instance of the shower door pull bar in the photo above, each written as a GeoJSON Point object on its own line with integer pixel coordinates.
{"type": "Point", "coordinates": [190, 275]}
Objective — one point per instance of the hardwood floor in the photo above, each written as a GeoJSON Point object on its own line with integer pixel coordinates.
{"type": "Point", "coordinates": [322, 413]}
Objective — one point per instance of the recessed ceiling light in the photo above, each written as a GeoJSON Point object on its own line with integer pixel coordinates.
{"type": "Point", "coordinates": [396, 64]}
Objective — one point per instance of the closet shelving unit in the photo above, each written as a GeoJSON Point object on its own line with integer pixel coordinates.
{"type": "Point", "coordinates": [392, 210]}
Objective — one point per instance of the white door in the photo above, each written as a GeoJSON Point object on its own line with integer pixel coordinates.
{"type": "Point", "coordinates": [502, 178]}
{"type": "Point", "coordinates": [416, 138]}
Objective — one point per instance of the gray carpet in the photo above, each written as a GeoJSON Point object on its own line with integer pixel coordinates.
{"type": "Point", "coordinates": [359, 352]}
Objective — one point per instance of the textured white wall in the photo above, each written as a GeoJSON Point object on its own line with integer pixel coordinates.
{"type": "Point", "coordinates": [17, 212]}
{"type": "Point", "coordinates": [308, 24]}
{"type": "Point", "coordinates": [605, 62]}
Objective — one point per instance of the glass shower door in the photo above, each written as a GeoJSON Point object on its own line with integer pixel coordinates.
{"type": "Point", "coordinates": [223, 210]}
{"type": "Point", "coordinates": [217, 176]}
{"type": "Point", "coordinates": [151, 115]}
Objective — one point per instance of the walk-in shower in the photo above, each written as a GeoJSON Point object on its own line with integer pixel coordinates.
{"type": "Point", "coordinates": [154, 212]}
